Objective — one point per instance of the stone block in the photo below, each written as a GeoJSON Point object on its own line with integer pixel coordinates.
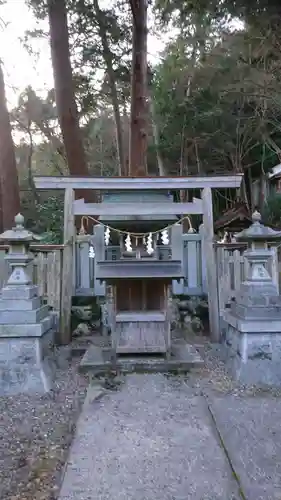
{"type": "Point", "coordinates": [261, 301]}
{"type": "Point", "coordinates": [20, 304]}
{"type": "Point", "coordinates": [26, 330]}
{"type": "Point", "coordinates": [256, 312]}
{"type": "Point", "coordinates": [251, 289]}
{"type": "Point", "coordinates": [98, 361]}
{"type": "Point", "coordinates": [26, 365]}
{"type": "Point", "coordinates": [275, 301]}
{"type": "Point", "coordinates": [46, 344]}
{"type": "Point", "coordinates": [23, 317]}
{"type": "Point", "coordinates": [260, 326]}
{"type": "Point", "coordinates": [234, 342]}
{"type": "Point", "coordinates": [253, 358]}
{"type": "Point", "coordinates": [257, 301]}
{"type": "Point", "coordinates": [258, 346]}
{"type": "Point", "coordinates": [19, 292]}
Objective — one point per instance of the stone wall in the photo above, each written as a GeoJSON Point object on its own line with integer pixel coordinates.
{"type": "Point", "coordinates": [190, 314]}
{"type": "Point", "coordinates": [85, 316]}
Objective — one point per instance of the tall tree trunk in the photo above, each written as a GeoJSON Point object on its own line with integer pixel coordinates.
{"type": "Point", "coordinates": [160, 161]}
{"type": "Point", "coordinates": [112, 84]}
{"type": "Point", "coordinates": [139, 104]}
{"type": "Point", "coordinates": [64, 90]}
{"type": "Point", "coordinates": [10, 197]}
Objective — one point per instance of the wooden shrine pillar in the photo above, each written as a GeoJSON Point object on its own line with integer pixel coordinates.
{"type": "Point", "coordinates": [99, 287]}
{"type": "Point", "coordinates": [211, 265]}
{"type": "Point", "coordinates": [177, 242]}
{"type": "Point", "coordinates": [67, 267]}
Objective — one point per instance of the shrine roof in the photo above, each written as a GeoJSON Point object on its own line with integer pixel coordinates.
{"type": "Point", "coordinates": [239, 211]}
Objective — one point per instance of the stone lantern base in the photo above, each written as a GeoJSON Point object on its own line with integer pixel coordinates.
{"type": "Point", "coordinates": [26, 341]}
{"type": "Point", "coordinates": [252, 334]}
{"type": "Point", "coordinates": [252, 348]}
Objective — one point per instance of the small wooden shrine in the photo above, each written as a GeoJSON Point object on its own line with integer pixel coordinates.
{"type": "Point", "coordinates": [136, 252]}
{"type": "Point", "coordinates": [140, 257]}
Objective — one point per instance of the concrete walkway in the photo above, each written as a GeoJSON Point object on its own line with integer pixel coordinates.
{"type": "Point", "coordinates": [153, 439]}
{"type": "Point", "coordinates": [251, 432]}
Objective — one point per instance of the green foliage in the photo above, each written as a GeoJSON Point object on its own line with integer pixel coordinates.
{"type": "Point", "coordinates": [251, 11]}
{"type": "Point", "coordinates": [39, 7]}
{"type": "Point", "coordinates": [271, 212]}
{"type": "Point", "coordinates": [50, 220]}
{"type": "Point", "coordinates": [220, 113]}
{"type": "Point", "coordinates": [216, 91]}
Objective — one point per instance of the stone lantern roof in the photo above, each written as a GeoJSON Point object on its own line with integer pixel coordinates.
{"type": "Point", "coordinates": [258, 232]}
{"type": "Point", "coordinates": [18, 233]}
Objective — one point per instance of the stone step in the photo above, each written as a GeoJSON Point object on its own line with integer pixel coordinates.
{"type": "Point", "coordinates": [19, 292]}
{"type": "Point", "coordinates": [99, 361]}
{"type": "Point", "coordinates": [80, 345]}
{"type": "Point", "coordinates": [20, 304]}
{"type": "Point", "coordinates": [27, 330]}
{"type": "Point", "coordinates": [23, 317]}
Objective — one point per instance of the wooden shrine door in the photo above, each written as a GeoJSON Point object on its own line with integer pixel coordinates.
{"type": "Point", "coordinates": [140, 295]}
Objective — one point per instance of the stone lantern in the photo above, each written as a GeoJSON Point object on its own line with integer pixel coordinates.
{"type": "Point", "coordinates": [26, 327]}
{"type": "Point", "coordinates": [258, 255]}
{"type": "Point", "coordinates": [18, 256]}
{"type": "Point", "coordinates": [252, 338]}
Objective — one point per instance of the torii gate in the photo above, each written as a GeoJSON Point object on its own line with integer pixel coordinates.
{"type": "Point", "coordinates": [202, 206]}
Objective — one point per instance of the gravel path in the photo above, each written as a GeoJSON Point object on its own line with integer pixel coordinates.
{"type": "Point", "coordinates": [35, 435]}
{"type": "Point", "coordinates": [153, 439]}
{"type": "Point", "coordinates": [213, 379]}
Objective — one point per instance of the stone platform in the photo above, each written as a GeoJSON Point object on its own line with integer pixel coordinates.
{"type": "Point", "coordinates": [101, 360]}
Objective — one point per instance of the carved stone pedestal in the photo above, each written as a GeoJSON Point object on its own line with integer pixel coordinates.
{"type": "Point", "coordinates": [253, 356]}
